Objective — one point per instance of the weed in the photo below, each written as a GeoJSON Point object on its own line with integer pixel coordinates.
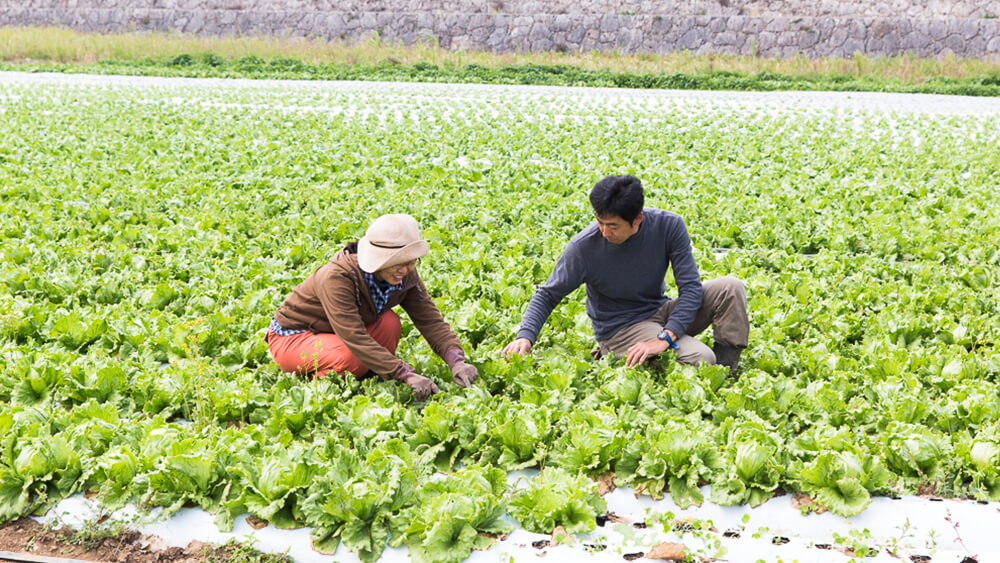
{"type": "Point", "coordinates": [858, 541]}
{"type": "Point", "coordinates": [236, 552]}
{"type": "Point", "coordinates": [958, 536]}
{"type": "Point", "coordinates": [94, 531]}
{"type": "Point", "coordinates": [932, 540]}
{"type": "Point", "coordinates": [895, 543]}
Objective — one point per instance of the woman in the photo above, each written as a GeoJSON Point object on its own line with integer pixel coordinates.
{"type": "Point", "coordinates": [340, 318]}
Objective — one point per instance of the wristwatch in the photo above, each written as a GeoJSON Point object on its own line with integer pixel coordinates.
{"type": "Point", "coordinates": [664, 335]}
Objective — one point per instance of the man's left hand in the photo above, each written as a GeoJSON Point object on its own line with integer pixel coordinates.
{"type": "Point", "coordinates": [640, 352]}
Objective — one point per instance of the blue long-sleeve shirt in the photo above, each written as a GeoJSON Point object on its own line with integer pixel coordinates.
{"type": "Point", "coordinates": [625, 282]}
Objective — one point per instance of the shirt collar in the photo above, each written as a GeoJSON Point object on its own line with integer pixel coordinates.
{"type": "Point", "coordinates": [380, 284]}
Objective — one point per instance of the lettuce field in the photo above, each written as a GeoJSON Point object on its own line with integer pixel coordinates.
{"type": "Point", "coordinates": [151, 228]}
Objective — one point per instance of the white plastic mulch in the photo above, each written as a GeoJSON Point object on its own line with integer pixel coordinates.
{"type": "Point", "coordinates": [904, 529]}
{"type": "Point", "coordinates": [876, 102]}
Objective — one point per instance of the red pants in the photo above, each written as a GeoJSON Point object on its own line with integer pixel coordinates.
{"type": "Point", "coordinates": [317, 353]}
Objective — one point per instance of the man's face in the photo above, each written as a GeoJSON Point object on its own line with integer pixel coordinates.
{"type": "Point", "coordinates": [617, 230]}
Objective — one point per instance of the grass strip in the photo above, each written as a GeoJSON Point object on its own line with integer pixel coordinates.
{"type": "Point", "coordinates": [212, 66]}
{"type": "Point", "coordinates": [61, 50]}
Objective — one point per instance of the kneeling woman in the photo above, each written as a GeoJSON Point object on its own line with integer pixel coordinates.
{"type": "Point", "coordinates": [340, 318]}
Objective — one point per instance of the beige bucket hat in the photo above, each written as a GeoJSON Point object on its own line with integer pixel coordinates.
{"type": "Point", "coordinates": [390, 240]}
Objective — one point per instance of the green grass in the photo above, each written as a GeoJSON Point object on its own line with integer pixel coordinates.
{"type": "Point", "coordinates": [162, 54]}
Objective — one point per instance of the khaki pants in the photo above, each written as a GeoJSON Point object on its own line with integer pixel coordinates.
{"type": "Point", "coordinates": [723, 306]}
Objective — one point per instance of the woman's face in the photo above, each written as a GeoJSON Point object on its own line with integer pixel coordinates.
{"type": "Point", "coordinates": [394, 274]}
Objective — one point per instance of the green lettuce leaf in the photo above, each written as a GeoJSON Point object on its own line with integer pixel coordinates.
{"type": "Point", "coordinates": [558, 498]}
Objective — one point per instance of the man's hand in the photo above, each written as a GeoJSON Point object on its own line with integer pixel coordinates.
{"type": "Point", "coordinates": [518, 347]}
{"type": "Point", "coordinates": [640, 352]}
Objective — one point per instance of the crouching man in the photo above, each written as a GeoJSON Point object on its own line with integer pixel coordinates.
{"type": "Point", "coordinates": [622, 258]}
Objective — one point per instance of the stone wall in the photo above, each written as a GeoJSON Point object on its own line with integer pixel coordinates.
{"type": "Point", "coordinates": [764, 27]}
{"type": "Point", "coordinates": [919, 9]}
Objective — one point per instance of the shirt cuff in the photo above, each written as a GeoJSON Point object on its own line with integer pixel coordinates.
{"type": "Point", "coordinates": [523, 333]}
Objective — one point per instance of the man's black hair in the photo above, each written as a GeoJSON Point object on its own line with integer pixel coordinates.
{"type": "Point", "coordinates": [618, 195]}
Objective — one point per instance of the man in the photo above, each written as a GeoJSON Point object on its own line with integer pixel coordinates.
{"type": "Point", "coordinates": [622, 258]}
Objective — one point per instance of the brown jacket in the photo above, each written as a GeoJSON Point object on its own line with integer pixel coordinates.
{"type": "Point", "coordinates": [335, 298]}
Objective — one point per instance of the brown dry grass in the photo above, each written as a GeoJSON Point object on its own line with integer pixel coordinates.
{"type": "Point", "coordinates": [53, 44]}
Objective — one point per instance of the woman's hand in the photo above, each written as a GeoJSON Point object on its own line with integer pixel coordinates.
{"type": "Point", "coordinates": [463, 373]}
{"type": "Point", "coordinates": [422, 387]}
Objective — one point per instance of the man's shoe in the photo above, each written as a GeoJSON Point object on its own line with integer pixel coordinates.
{"type": "Point", "coordinates": [728, 356]}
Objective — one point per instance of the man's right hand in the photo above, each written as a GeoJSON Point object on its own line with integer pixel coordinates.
{"type": "Point", "coordinates": [518, 347]}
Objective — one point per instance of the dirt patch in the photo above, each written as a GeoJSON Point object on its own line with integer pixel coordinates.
{"type": "Point", "coordinates": [605, 483]}
{"type": "Point", "coordinates": [806, 504]}
{"type": "Point", "coordinates": [611, 517]}
{"type": "Point", "coordinates": [668, 552]}
{"type": "Point", "coordinates": [927, 489]}
{"type": "Point", "coordinates": [256, 523]}
{"type": "Point", "coordinates": [28, 536]}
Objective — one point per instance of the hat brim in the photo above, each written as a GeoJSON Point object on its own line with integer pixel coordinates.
{"type": "Point", "coordinates": [372, 258]}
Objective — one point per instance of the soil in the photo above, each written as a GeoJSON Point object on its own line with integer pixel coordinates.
{"type": "Point", "coordinates": [30, 537]}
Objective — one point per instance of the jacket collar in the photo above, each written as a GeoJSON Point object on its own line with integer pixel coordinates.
{"type": "Point", "coordinates": [348, 262]}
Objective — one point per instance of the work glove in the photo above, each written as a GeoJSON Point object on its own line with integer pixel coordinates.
{"type": "Point", "coordinates": [464, 374]}
{"type": "Point", "coordinates": [422, 387]}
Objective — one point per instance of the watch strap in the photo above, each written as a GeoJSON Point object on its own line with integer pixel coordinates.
{"type": "Point", "coordinates": [664, 335]}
